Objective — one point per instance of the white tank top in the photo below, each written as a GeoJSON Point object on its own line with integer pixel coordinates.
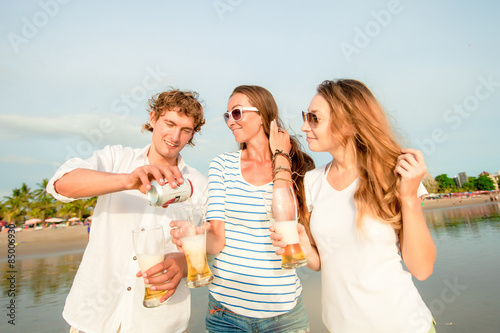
{"type": "Point", "coordinates": [364, 285]}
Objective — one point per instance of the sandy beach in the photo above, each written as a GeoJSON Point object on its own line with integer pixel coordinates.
{"type": "Point", "coordinates": [74, 238]}
{"type": "Point", "coordinates": [455, 202]}
{"type": "Point", "coordinates": [47, 241]}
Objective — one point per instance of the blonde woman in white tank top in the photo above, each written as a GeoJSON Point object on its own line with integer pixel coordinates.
{"type": "Point", "coordinates": [366, 216]}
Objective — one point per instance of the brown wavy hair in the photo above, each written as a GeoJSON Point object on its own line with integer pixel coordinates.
{"type": "Point", "coordinates": [358, 121]}
{"type": "Point", "coordinates": [185, 102]}
{"type": "Point", "coordinates": [263, 100]}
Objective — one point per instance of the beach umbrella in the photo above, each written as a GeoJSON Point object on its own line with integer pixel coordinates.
{"type": "Point", "coordinates": [54, 219]}
{"type": "Point", "coordinates": [32, 221]}
{"type": "Point", "coordinates": [74, 219]}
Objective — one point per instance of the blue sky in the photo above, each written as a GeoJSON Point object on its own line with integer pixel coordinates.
{"type": "Point", "coordinates": [76, 75]}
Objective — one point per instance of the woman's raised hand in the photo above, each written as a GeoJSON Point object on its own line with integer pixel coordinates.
{"type": "Point", "coordinates": [279, 138]}
{"type": "Point", "coordinates": [412, 169]}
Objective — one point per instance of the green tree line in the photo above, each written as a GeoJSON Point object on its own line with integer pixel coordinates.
{"type": "Point", "coordinates": [446, 184]}
{"type": "Point", "coordinates": [25, 203]}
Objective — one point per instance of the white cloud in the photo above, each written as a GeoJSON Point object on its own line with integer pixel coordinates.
{"type": "Point", "coordinates": [97, 128]}
{"type": "Point", "coordinates": [23, 160]}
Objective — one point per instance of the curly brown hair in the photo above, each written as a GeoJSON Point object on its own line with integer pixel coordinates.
{"type": "Point", "coordinates": [185, 102]}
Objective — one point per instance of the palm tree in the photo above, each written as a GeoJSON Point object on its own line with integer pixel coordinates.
{"type": "Point", "coordinates": [77, 208]}
{"type": "Point", "coordinates": [90, 206]}
{"type": "Point", "coordinates": [2, 210]}
{"type": "Point", "coordinates": [42, 204]}
{"type": "Point", "coordinates": [38, 204]}
{"type": "Point", "coordinates": [14, 207]}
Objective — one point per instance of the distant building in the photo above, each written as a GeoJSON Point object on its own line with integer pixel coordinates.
{"type": "Point", "coordinates": [457, 182]}
{"type": "Point", "coordinates": [430, 183]}
{"type": "Point", "coordinates": [492, 176]}
{"type": "Point", "coordinates": [462, 176]}
{"type": "Point", "coordinates": [496, 178]}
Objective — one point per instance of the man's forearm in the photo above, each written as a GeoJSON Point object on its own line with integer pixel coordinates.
{"type": "Point", "coordinates": [84, 183]}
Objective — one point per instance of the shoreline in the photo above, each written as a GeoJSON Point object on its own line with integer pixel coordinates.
{"type": "Point", "coordinates": [74, 239]}
{"type": "Point", "coordinates": [456, 202]}
{"type": "Point", "coordinates": [34, 243]}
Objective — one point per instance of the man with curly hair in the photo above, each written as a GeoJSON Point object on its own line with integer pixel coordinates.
{"type": "Point", "coordinates": [107, 293]}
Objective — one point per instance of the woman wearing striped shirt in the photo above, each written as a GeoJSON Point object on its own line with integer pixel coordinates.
{"type": "Point", "coordinates": [250, 291]}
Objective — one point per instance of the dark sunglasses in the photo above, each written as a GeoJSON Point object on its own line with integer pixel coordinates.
{"type": "Point", "coordinates": [237, 114]}
{"type": "Point", "coordinates": [311, 118]}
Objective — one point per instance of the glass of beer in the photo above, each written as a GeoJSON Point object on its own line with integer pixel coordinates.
{"type": "Point", "coordinates": [281, 206]}
{"type": "Point", "coordinates": [149, 246]}
{"type": "Point", "coordinates": [191, 224]}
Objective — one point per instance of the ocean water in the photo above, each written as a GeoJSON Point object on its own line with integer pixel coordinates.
{"type": "Point", "coordinates": [463, 293]}
{"type": "Point", "coordinates": [41, 286]}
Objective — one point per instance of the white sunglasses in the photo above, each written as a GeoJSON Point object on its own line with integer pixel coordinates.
{"type": "Point", "coordinates": [237, 113]}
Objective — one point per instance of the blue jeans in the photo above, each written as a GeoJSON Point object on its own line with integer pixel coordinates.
{"type": "Point", "coordinates": [223, 320]}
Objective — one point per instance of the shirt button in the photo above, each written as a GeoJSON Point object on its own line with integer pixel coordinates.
{"type": "Point", "coordinates": [135, 258]}
{"type": "Point", "coordinates": [129, 289]}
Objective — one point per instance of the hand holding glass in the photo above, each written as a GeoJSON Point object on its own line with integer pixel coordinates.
{"type": "Point", "coordinates": [281, 207]}
{"type": "Point", "coordinates": [149, 246]}
{"type": "Point", "coordinates": [191, 224]}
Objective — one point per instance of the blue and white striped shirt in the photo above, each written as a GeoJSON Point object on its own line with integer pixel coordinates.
{"type": "Point", "coordinates": [248, 275]}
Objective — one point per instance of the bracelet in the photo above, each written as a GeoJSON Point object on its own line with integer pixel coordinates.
{"type": "Point", "coordinates": [281, 152]}
{"type": "Point", "coordinates": [284, 179]}
{"type": "Point", "coordinates": [281, 168]}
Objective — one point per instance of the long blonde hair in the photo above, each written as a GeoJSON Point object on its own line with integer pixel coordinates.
{"type": "Point", "coordinates": [358, 121]}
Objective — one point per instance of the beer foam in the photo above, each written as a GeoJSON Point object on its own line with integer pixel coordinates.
{"type": "Point", "coordinates": [195, 249]}
{"type": "Point", "coordinates": [288, 229]}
